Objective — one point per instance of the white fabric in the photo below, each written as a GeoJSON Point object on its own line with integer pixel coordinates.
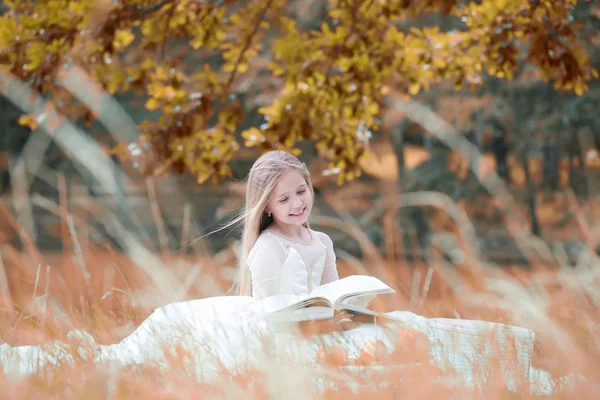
{"type": "Point", "coordinates": [222, 332]}
{"type": "Point", "coordinates": [470, 347]}
{"type": "Point", "coordinates": [280, 266]}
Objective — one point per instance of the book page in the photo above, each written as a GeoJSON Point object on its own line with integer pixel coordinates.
{"type": "Point", "coordinates": [284, 303]}
{"type": "Point", "coordinates": [360, 301]}
{"type": "Point", "coordinates": [351, 286]}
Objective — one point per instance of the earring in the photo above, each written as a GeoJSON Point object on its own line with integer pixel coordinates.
{"type": "Point", "coordinates": [269, 215]}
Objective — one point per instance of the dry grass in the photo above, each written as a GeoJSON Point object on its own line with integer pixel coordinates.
{"type": "Point", "coordinates": [108, 295]}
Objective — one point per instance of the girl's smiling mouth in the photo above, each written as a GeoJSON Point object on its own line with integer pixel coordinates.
{"type": "Point", "coordinates": [300, 214]}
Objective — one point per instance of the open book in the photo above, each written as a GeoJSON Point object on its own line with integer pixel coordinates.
{"type": "Point", "coordinates": [352, 294]}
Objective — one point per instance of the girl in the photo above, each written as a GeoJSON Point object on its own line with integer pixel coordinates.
{"type": "Point", "coordinates": [280, 253]}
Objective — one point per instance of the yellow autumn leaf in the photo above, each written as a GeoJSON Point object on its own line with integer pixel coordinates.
{"type": "Point", "coordinates": [123, 38]}
{"type": "Point", "coordinates": [35, 54]}
{"type": "Point", "coordinates": [29, 121]}
{"type": "Point", "coordinates": [177, 20]}
{"type": "Point", "coordinates": [253, 135]}
{"type": "Point", "coordinates": [148, 28]}
{"type": "Point", "coordinates": [373, 109]}
{"type": "Point", "coordinates": [242, 67]}
{"type": "Point", "coordinates": [509, 72]}
{"type": "Point", "coordinates": [229, 67]}
{"type": "Point", "coordinates": [203, 176]}
{"type": "Point", "coordinates": [337, 13]}
{"type": "Point", "coordinates": [152, 104]}
{"type": "Point", "coordinates": [579, 87]}
{"type": "Point", "coordinates": [347, 112]}
{"type": "Point", "coordinates": [414, 88]}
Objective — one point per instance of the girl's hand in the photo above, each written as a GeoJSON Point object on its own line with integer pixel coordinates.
{"type": "Point", "coordinates": [344, 320]}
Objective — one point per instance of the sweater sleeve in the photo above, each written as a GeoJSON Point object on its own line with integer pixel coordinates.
{"type": "Point", "coordinates": [330, 273]}
{"type": "Point", "coordinates": [265, 261]}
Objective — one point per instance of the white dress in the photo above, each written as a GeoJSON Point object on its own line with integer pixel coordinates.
{"type": "Point", "coordinates": [279, 265]}
{"type": "Point", "coordinates": [223, 332]}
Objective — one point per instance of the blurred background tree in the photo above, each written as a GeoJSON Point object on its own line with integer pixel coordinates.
{"type": "Point", "coordinates": [206, 80]}
{"type": "Point", "coordinates": [200, 66]}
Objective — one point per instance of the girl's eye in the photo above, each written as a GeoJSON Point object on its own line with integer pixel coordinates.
{"type": "Point", "coordinates": [302, 191]}
{"type": "Point", "coordinates": [283, 200]}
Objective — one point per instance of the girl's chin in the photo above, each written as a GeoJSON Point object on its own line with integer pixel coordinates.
{"type": "Point", "coordinates": [297, 222]}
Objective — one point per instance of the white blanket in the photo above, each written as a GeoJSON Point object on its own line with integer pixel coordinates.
{"type": "Point", "coordinates": [222, 333]}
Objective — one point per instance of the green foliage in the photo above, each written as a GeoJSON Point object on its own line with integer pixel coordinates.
{"type": "Point", "coordinates": [333, 80]}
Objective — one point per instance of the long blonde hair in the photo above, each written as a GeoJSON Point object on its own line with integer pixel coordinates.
{"type": "Point", "coordinates": [264, 175]}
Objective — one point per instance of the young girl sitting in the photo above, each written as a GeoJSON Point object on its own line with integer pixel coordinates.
{"type": "Point", "coordinates": [280, 255]}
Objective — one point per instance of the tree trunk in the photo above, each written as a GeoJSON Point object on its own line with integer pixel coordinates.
{"type": "Point", "coordinates": [551, 164]}
{"type": "Point", "coordinates": [5, 174]}
{"type": "Point", "coordinates": [586, 143]}
{"type": "Point", "coordinates": [501, 150]}
{"type": "Point", "coordinates": [390, 201]}
{"type": "Point", "coordinates": [530, 190]}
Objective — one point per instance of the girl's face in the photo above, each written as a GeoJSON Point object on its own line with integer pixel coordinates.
{"type": "Point", "coordinates": [291, 200]}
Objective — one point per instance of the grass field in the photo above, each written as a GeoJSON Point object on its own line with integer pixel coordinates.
{"type": "Point", "coordinates": [109, 294]}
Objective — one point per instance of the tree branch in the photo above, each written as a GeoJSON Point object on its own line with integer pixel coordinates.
{"type": "Point", "coordinates": [261, 17]}
{"type": "Point", "coordinates": [167, 21]}
{"type": "Point", "coordinates": [142, 13]}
